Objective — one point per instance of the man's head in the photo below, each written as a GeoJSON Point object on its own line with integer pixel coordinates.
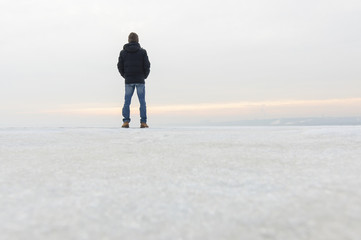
{"type": "Point", "coordinates": [133, 37]}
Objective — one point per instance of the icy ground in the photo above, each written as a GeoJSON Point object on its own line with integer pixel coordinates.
{"type": "Point", "coordinates": [180, 183]}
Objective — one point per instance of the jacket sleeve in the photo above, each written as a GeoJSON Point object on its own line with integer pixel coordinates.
{"type": "Point", "coordinates": [146, 64]}
{"type": "Point", "coordinates": [121, 64]}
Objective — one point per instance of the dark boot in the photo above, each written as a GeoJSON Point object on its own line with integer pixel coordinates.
{"type": "Point", "coordinates": [143, 125]}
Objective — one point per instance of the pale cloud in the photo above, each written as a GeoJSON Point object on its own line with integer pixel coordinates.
{"type": "Point", "coordinates": [231, 58]}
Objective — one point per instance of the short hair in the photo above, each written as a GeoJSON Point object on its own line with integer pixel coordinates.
{"type": "Point", "coordinates": [133, 37]}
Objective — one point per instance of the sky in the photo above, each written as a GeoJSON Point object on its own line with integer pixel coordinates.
{"type": "Point", "coordinates": [211, 61]}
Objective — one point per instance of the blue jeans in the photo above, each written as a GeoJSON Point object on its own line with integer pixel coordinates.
{"type": "Point", "coordinates": [129, 90]}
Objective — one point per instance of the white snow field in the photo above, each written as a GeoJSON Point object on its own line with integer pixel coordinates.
{"type": "Point", "coordinates": [180, 183]}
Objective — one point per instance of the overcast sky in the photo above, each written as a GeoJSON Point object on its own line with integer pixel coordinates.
{"type": "Point", "coordinates": [258, 59]}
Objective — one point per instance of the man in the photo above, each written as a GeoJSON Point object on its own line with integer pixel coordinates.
{"type": "Point", "coordinates": [134, 66]}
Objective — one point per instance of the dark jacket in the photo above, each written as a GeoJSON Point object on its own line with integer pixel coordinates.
{"type": "Point", "coordinates": [133, 63]}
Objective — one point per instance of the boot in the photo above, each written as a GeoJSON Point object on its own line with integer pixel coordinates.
{"type": "Point", "coordinates": [143, 125]}
{"type": "Point", "coordinates": [125, 125]}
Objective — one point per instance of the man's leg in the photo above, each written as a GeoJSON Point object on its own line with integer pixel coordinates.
{"type": "Point", "coordinates": [129, 90]}
{"type": "Point", "coordinates": [143, 105]}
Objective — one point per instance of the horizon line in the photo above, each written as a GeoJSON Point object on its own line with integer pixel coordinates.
{"type": "Point", "coordinates": [104, 109]}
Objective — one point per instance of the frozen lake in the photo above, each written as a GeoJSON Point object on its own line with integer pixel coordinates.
{"type": "Point", "coordinates": [180, 183]}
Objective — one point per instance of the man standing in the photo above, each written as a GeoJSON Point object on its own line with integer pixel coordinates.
{"type": "Point", "coordinates": [134, 66]}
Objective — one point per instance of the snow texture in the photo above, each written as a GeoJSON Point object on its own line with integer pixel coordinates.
{"type": "Point", "coordinates": [180, 183]}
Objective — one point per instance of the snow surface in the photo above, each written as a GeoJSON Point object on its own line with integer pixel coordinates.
{"type": "Point", "coordinates": [180, 183]}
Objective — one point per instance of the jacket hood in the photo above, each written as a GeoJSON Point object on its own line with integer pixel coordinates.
{"type": "Point", "coordinates": [131, 47]}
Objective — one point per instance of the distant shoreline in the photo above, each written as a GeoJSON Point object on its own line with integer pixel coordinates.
{"type": "Point", "coordinates": [319, 121]}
